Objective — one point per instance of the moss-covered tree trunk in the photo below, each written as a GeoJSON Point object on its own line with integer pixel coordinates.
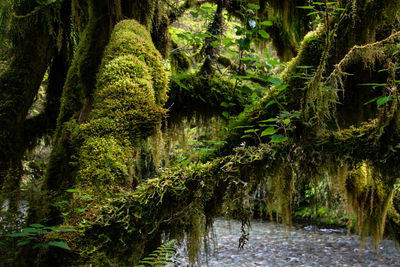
{"type": "Point", "coordinates": [210, 49]}
{"type": "Point", "coordinates": [78, 89]}
{"type": "Point", "coordinates": [34, 44]}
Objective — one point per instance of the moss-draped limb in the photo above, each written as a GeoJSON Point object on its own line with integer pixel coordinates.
{"type": "Point", "coordinates": [176, 200]}
{"type": "Point", "coordinates": [34, 38]}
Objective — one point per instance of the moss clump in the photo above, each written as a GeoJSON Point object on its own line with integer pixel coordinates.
{"type": "Point", "coordinates": [103, 162]}
{"type": "Point", "coordinates": [131, 38]}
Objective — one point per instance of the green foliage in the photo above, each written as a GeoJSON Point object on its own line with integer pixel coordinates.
{"type": "Point", "coordinates": [41, 236]}
{"type": "Point", "coordinates": [162, 256]}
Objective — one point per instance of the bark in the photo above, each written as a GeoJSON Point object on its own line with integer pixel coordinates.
{"type": "Point", "coordinates": [79, 86]}
{"type": "Point", "coordinates": [215, 29]}
{"type": "Point", "coordinates": [33, 47]}
{"type": "Point", "coordinates": [45, 123]}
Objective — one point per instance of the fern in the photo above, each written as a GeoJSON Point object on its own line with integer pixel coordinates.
{"type": "Point", "coordinates": [162, 256]}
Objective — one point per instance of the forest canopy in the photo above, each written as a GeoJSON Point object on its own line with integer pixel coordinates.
{"type": "Point", "coordinates": [126, 124]}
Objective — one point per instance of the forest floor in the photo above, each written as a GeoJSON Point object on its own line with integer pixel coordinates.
{"type": "Point", "coordinates": [270, 245]}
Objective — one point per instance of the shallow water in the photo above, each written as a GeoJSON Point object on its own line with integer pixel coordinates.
{"type": "Point", "coordinates": [270, 245]}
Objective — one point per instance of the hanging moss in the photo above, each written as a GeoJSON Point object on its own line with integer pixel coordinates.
{"type": "Point", "coordinates": [191, 93]}
{"type": "Point", "coordinates": [176, 200]}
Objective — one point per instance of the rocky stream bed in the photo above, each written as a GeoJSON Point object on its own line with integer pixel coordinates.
{"type": "Point", "coordinates": [270, 245]}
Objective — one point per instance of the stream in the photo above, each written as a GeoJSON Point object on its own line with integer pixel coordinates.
{"type": "Point", "coordinates": [270, 245]}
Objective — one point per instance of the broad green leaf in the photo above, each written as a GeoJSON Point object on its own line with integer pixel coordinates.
{"type": "Point", "coordinates": [224, 104]}
{"type": "Point", "coordinates": [36, 225]}
{"type": "Point", "coordinates": [32, 230]}
{"type": "Point", "coordinates": [266, 23]}
{"type": "Point", "coordinates": [85, 197]}
{"type": "Point", "coordinates": [263, 34]}
{"type": "Point", "coordinates": [214, 43]}
{"type": "Point", "coordinates": [253, 6]}
{"type": "Point", "coordinates": [19, 234]}
{"type": "Point", "coordinates": [286, 121]}
{"type": "Point", "coordinates": [304, 67]}
{"type": "Point", "coordinates": [274, 80]}
{"type": "Point", "coordinates": [269, 131]}
{"type": "Point", "coordinates": [71, 190]}
{"type": "Point", "coordinates": [313, 13]}
{"type": "Point", "coordinates": [251, 131]}
{"type": "Point", "coordinates": [178, 82]}
{"type": "Point", "coordinates": [59, 244]}
{"type": "Point", "coordinates": [270, 103]}
{"type": "Point", "coordinates": [281, 87]}
{"type": "Point", "coordinates": [240, 127]}
{"type": "Point", "coordinates": [278, 138]}
{"type": "Point", "coordinates": [305, 7]}
{"type": "Point", "coordinates": [246, 59]}
{"type": "Point", "coordinates": [383, 100]}
{"type": "Point", "coordinates": [370, 101]}
{"type": "Point", "coordinates": [374, 85]}
{"type": "Point", "coordinates": [22, 243]}
{"type": "Point", "coordinates": [334, 101]}
{"type": "Point", "coordinates": [269, 120]}
{"type": "Point", "coordinates": [60, 229]}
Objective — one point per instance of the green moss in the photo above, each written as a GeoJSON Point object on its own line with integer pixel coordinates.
{"type": "Point", "coordinates": [131, 38]}
{"type": "Point", "coordinates": [370, 198]}
{"type": "Point", "coordinates": [104, 164]}
{"type": "Point", "coordinates": [179, 62]}
{"type": "Point", "coordinates": [192, 93]}
{"type": "Point", "coordinates": [124, 112]}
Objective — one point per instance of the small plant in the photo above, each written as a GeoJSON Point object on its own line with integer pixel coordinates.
{"type": "Point", "coordinates": [40, 236]}
{"type": "Point", "coordinates": [162, 256]}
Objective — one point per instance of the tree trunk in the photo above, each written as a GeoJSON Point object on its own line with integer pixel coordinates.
{"type": "Point", "coordinates": [33, 47]}
{"type": "Point", "coordinates": [211, 51]}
